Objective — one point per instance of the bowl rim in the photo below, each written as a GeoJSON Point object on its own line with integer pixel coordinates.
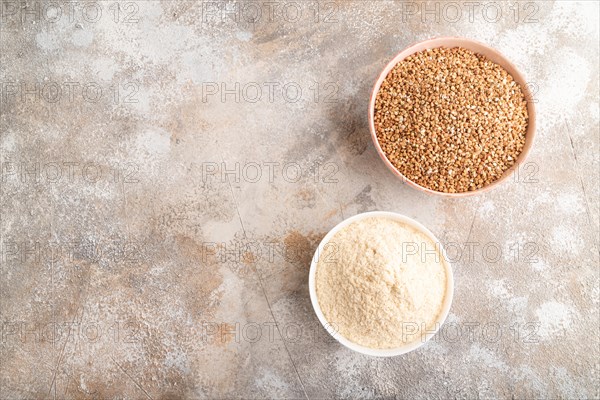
{"type": "Point", "coordinates": [367, 350]}
{"type": "Point", "coordinates": [490, 53]}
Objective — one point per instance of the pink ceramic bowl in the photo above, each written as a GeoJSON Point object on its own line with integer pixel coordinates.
{"type": "Point", "coordinates": [476, 47]}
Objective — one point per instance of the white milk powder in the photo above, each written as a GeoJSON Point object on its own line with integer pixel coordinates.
{"type": "Point", "coordinates": [381, 283]}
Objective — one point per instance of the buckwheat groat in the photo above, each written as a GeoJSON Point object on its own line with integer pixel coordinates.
{"type": "Point", "coordinates": [450, 120]}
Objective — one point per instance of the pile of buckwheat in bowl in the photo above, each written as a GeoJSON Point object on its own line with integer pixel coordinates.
{"type": "Point", "coordinates": [450, 120]}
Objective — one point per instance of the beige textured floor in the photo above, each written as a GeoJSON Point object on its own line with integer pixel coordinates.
{"type": "Point", "coordinates": [167, 172]}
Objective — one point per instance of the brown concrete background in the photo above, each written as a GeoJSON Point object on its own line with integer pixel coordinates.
{"type": "Point", "coordinates": [135, 266]}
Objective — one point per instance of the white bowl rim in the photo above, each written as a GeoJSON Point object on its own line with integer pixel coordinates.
{"type": "Point", "coordinates": [367, 350]}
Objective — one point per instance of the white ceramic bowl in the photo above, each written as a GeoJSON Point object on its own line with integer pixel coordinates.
{"type": "Point", "coordinates": [367, 350]}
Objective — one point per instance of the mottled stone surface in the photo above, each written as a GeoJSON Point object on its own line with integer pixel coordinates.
{"type": "Point", "coordinates": [137, 263]}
